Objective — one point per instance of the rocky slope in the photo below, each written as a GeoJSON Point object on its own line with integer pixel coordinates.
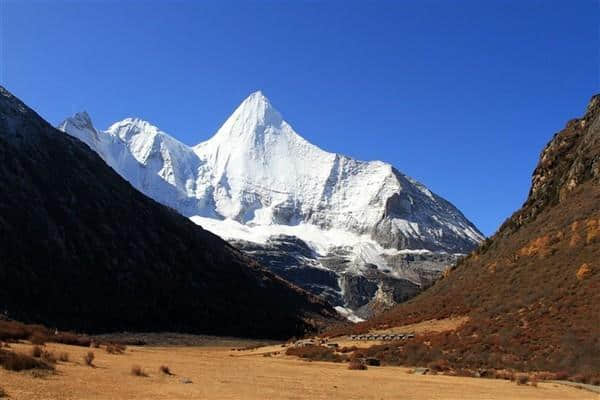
{"type": "Point", "coordinates": [532, 291]}
{"type": "Point", "coordinates": [257, 179]}
{"type": "Point", "coordinates": [82, 249]}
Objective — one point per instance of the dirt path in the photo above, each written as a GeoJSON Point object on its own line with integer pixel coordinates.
{"type": "Point", "coordinates": [219, 373]}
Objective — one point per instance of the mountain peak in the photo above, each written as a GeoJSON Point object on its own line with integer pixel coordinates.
{"type": "Point", "coordinates": [252, 116]}
{"type": "Point", "coordinates": [80, 120]}
{"type": "Point", "coordinates": [132, 126]}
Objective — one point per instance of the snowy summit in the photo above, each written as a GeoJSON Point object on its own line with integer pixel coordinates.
{"type": "Point", "coordinates": [257, 179]}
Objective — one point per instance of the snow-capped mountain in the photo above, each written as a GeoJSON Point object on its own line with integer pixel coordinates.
{"type": "Point", "coordinates": [259, 183]}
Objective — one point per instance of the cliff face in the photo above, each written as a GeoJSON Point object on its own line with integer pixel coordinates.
{"type": "Point", "coordinates": [530, 292]}
{"type": "Point", "coordinates": [571, 158]}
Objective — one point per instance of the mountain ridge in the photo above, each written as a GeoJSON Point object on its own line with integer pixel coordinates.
{"type": "Point", "coordinates": [83, 249]}
{"type": "Point", "coordinates": [530, 293]}
{"type": "Point", "coordinates": [258, 172]}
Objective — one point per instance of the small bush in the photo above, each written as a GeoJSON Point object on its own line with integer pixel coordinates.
{"type": "Point", "coordinates": [18, 362]}
{"type": "Point", "coordinates": [36, 351]}
{"type": "Point", "coordinates": [94, 344]}
{"type": "Point", "coordinates": [3, 393]}
{"type": "Point", "coordinates": [522, 379]}
{"type": "Point", "coordinates": [49, 357]}
{"type": "Point", "coordinates": [315, 353]}
{"type": "Point", "coordinates": [165, 370]}
{"type": "Point", "coordinates": [89, 358]}
{"type": "Point", "coordinates": [115, 348]}
{"type": "Point", "coordinates": [136, 370]}
{"type": "Point", "coordinates": [355, 364]}
{"type": "Point", "coordinates": [347, 349]}
{"type": "Point", "coordinates": [64, 357]}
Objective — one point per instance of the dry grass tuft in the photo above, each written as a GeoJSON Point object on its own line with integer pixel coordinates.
{"type": "Point", "coordinates": [18, 362]}
{"type": "Point", "coordinates": [36, 351]}
{"type": "Point", "coordinates": [165, 370]}
{"type": "Point", "coordinates": [522, 379]}
{"type": "Point", "coordinates": [49, 357]}
{"type": "Point", "coordinates": [357, 365]}
{"type": "Point", "coordinates": [315, 353]}
{"type": "Point", "coordinates": [115, 348]}
{"type": "Point", "coordinates": [136, 370]}
{"type": "Point", "coordinates": [89, 358]}
{"type": "Point", "coordinates": [64, 357]}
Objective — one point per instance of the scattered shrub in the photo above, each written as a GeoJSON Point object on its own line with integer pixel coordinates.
{"type": "Point", "coordinates": [3, 394]}
{"type": "Point", "coordinates": [38, 334]}
{"type": "Point", "coordinates": [36, 351]}
{"type": "Point", "coordinates": [136, 370]}
{"type": "Point", "coordinates": [165, 370]}
{"type": "Point", "coordinates": [115, 348]}
{"type": "Point", "coordinates": [49, 357]}
{"type": "Point", "coordinates": [88, 358]}
{"type": "Point", "coordinates": [315, 353]}
{"type": "Point", "coordinates": [18, 362]}
{"type": "Point", "coordinates": [522, 379]}
{"type": "Point", "coordinates": [64, 357]}
{"type": "Point", "coordinates": [94, 344]}
{"type": "Point", "coordinates": [355, 364]}
{"type": "Point", "coordinates": [347, 349]}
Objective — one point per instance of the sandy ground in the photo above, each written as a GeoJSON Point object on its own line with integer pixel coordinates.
{"type": "Point", "coordinates": [433, 325]}
{"type": "Point", "coordinates": [220, 373]}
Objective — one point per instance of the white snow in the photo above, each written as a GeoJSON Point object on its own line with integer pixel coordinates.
{"type": "Point", "coordinates": [348, 314]}
{"type": "Point", "coordinates": [256, 177]}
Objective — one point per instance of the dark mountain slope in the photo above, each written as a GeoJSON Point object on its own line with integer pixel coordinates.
{"type": "Point", "coordinates": [81, 249]}
{"type": "Point", "coordinates": [532, 291]}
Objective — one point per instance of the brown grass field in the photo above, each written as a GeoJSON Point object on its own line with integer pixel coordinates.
{"type": "Point", "coordinates": [218, 372]}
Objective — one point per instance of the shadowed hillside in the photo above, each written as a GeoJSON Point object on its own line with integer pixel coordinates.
{"type": "Point", "coordinates": [531, 292]}
{"type": "Point", "coordinates": [82, 249]}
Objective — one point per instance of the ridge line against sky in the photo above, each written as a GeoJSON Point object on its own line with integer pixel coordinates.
{"type": "Point", "coordinates": [460, 96]}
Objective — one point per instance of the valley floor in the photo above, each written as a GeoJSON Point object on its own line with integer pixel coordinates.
{"type": "Point", "coordinates": [218, 372]}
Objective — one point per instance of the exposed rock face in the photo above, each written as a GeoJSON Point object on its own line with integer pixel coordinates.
{"type": "Point", "coordinates": [257, 179]}
{"type": "Point", "coordinates": [82, 249]}
{"type": "Point", "coordinates": [569, 159]}
{"type": "Point", "coordinates": [530, 292]}
{"type": "Point", "coordinates": [332, 277]}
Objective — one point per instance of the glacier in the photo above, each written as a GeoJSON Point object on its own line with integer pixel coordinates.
{"type": "Point", "coordinates": [359, 233]}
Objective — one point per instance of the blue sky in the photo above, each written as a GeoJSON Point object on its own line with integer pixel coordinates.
{"type": "Point", "coordinates": [461, 95]}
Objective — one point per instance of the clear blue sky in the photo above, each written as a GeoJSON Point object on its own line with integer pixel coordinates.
{"type": "Point", "coordinates": [461, 95]}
